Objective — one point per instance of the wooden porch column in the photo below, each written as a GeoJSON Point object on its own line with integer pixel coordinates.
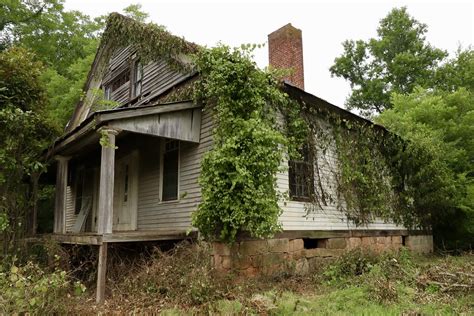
{"type": "Point", "coordinates": [106, 182]}
{"type": "Point", "coordinates": [106, 203]}
{"type": "Point", "coordinates": [61, 191]}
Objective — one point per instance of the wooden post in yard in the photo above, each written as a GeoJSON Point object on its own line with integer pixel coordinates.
{"type": "Point", "coordinates": [106, 198]}
{"type": "Point", "coordinates": [101, 273]}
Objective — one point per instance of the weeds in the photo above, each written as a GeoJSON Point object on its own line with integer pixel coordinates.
{"type": "Point", "coordinates": [179, 279]}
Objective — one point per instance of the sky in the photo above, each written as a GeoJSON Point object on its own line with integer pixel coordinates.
{"type": "Point", "coordinates": [325, 25]}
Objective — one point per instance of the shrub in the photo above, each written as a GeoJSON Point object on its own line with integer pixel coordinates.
{"type": "Point", "coordinates": [353, 263]}
{"type": "Point", "coordinates": [30, 289]}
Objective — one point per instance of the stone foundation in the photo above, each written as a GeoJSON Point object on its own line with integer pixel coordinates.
{"type": "Point", "coordinates": [270, 256]}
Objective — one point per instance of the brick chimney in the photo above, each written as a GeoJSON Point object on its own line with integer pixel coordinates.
{"type": "Point", "coordinates": [285, 50]}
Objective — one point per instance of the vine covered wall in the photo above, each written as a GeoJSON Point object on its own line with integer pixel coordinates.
{"type": "Point", "coordinates": [378, 175]}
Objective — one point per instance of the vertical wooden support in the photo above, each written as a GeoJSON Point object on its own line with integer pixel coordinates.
{"type": "Point", "coordinates": [61, 191]}
{"type": "Point", "coordinates": [106, 182]}
{"type": "Point", "coordinates": [106, 203]}
{"type": "Point", "coordinates": [101, 273]}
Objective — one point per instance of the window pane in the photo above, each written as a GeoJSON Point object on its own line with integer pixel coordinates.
{"type": "Point", "coordinates": [170, 171]}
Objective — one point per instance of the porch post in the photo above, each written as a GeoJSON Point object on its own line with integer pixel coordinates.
{"type": "Point", "coordinates": [61, 191]}
{"type": "Point", "coordinates": [106, 203]}
{"type": "Point", "coordinates": [106, 182]}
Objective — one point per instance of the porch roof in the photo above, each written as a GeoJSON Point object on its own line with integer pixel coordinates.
{"type": "Point", "coordinates": [177, 120]}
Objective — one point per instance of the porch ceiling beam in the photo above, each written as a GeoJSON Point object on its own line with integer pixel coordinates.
{"type": "Point", "coordinates": [116, 114]}
{"type": "Point", "coordinates": [85, 133]}
{"type": "Point", "coordinates": [183, 125]}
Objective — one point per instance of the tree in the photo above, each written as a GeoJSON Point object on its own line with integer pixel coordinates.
{"type": "Point", "coordinates": [24, 133]}
{"type": "Point", "coordinates": [442, 123]}
{"type": "Point", "coordinates": [135, 12]}
{"type": "Point", "coordinates": [398, 60]}
{"type": "Point", "coordinates": [57, 37]}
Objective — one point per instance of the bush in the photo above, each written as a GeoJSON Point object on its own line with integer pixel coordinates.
{"type": "Point", "coordinates": [352, 263]}
{"type": "Point", "coordinates": [30, 289]}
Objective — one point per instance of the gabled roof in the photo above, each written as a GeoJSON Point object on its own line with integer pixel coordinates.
{"type": "Point", "coordinates": [322, 105]}
{"type": "Point", "coordinates": [100, 64]}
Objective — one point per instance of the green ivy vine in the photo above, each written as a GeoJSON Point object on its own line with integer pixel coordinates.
{"type": "Point", "coordinates": [238, 176]}
{"type": "Point", "coordinates": [151, 41]}
{"type": "Point", "coordinates": [377, 173]}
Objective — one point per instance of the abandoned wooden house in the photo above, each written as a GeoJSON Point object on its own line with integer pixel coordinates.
{"type": "Point", "coordinates": [130, 174]}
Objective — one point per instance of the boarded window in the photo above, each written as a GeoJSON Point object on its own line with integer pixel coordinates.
{"type": "Point", "coordinates": [301, 176]}
{"type": "Point", "coordinates": [137, 78]}
{"type": "Point", "coordinates": [170, 170]}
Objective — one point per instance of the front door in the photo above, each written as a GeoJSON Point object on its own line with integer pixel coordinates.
{"type": "Point", "coordinates": [125, 192]}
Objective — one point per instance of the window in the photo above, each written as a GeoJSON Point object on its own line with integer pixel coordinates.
{"type": "Point", "coordinates": [137, 78]}
{"type": "Point", "coordinates": [79, 190]}
{"type": "Point", "coordinates": [301, 177]}
{"type": "Point", "coordinates": [108, 93]}
{"type": "Point", "coordinates": [170, 170]}
{"type": "Point", "coordinates": [115, 84]}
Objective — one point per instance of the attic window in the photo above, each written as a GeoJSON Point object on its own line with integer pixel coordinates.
{"type": "Point", "coordinates": [137, 78]}
{"type": "Point", "coordinates": [118, 82]}
{"type": "Point", "coordinates": [301, 176]}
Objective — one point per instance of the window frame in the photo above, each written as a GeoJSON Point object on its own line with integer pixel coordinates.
{"type": "Point", "coordinates": [136, 64]}
{"type": "Point", "coordinates": [162, 164]}
{"type": "Point", "coordinates": [298, 178]}
{"type": "Point", "coordinates": [111, 86]}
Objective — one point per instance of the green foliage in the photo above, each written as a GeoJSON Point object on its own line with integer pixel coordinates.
{"type": "Point", "coordinates": [350, 264]}
{"type": "Point", "coordinates": [457, 72]}
{"type": "Point", "coordinates": [134, 11]}
{"type": "Point", "coordinates": [440, 127]}
{"type": "Point", "coordinates": [396, 61]}
{"type": "Point", "coordinates": [57, 37]}
{"type": "Point", "coordinates": [151, 41]}
{"type": "Point", "coordinates": [24, 132]}
{"type": "Point", "coordinates": [238, 178]}
{"type": "Point", "coordinates": [30, 289]}
{"type": "Point", "coordinates": [364, 179]}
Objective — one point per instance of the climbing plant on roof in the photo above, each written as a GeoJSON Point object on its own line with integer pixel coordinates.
{"type": "Point", "coordinates": [257, 124]}
{"type": "Point", "coordinates": [151, 41]}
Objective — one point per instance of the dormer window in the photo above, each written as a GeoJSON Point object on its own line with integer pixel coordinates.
{"type": "Point", "coordinates": [137, 78]}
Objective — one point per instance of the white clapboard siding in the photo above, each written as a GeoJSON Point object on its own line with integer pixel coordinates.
{"type": "Point", "coordinates": [295, 214]}
{"type": "Point", "coordinates": [154, 215]}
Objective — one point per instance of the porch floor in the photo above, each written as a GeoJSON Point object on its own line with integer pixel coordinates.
{"type": "Point", "coordinates": [122, 236]}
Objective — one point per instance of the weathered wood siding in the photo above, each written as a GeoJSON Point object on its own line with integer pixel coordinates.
{"type": "Point", "coordinates": [70, 216]}
{"type": "Point", "coordinates": [157, 76]}
{"type": "Point", "coordinates": [326, 216]}
{"type": "Point", "coordinates": [173, 215]}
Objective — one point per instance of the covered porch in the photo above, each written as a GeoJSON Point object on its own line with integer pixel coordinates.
{"type": "Point", "coordinates": [103, 178]}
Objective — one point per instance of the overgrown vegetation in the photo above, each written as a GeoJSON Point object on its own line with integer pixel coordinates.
{"type": "Point", "coordinates": [425, 98]}
{"type": "Point", "coordinates": [238, 178]}
{"type": "Point", "coordinates": [24, 131]}
{"type": "Point", "coordinates": [38, 283]}
{"type": "Point", "coordinates": [182, 281]}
